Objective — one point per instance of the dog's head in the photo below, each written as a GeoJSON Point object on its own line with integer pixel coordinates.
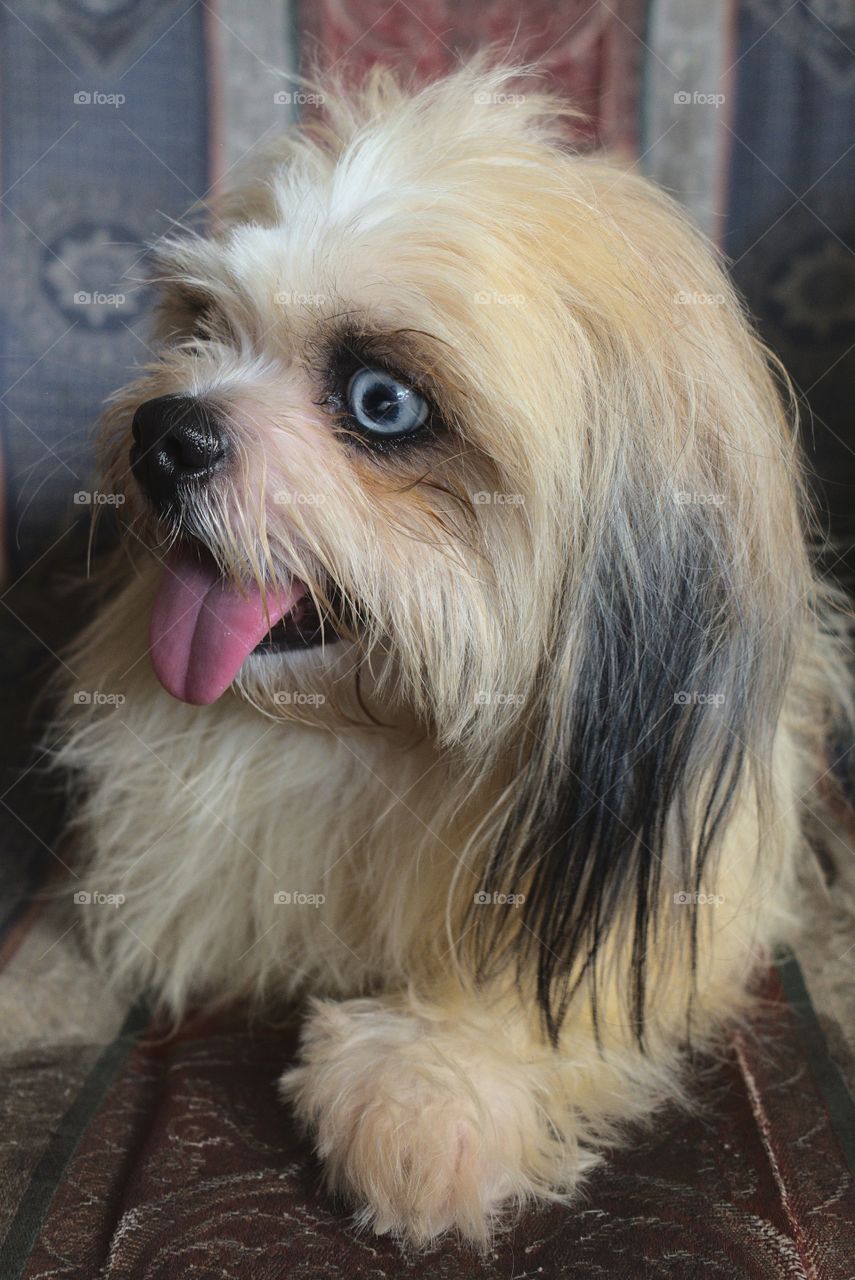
{"type": "Point", "coordinates": [443, 401]}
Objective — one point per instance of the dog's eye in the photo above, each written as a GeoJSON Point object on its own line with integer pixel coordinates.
{"type": "Point", "coordinates": [381, 405]}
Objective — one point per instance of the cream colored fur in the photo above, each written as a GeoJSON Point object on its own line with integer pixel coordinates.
{"type": "Point", "coordinates": [436, 1100]}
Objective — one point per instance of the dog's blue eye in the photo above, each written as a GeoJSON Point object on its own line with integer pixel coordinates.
{"type": "Point", "coordinates": [383, 406]}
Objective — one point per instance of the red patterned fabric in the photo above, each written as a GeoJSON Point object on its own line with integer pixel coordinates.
{"type": "Point", "coordinates": [593, 52]}
{"type": "Point", "coordinates": [192, 1167]}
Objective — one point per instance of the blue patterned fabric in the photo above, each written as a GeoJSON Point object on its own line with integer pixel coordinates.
{"type": "Point", "coordinates": [103, 139]}
{"type": "Point", "coordinates": [791, 222]}
{"type": "Point", "coordinates": [105, 134]}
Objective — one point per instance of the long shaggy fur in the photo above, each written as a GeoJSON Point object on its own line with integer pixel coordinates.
{"type": "Point", "coordinates": [549, 785]}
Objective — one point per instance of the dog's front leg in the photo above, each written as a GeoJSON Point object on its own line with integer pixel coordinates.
{"type": "Point", "coordinates": [434, 1115]}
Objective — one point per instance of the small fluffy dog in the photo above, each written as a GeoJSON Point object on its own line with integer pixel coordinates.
{"type": "Point", "coordinates": [474, 667]}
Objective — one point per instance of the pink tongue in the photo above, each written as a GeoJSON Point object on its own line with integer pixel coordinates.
{"type": "Point", "coordinates": [202, 629]}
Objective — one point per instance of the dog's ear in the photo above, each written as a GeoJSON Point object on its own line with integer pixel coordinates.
{"type": "Point", "coordinates": [653, 710]}
{"type": "Point", "coordinates": [688, 591]}
{"type": "Point", "coordinates": [659, 708]}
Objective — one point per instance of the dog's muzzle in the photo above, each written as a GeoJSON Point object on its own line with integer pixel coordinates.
{"type": "Point", "coordinates": [179, 444]}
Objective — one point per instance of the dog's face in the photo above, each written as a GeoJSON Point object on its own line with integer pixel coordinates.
{"type": "Point", "coordinates": [429, 380]}
{"type": "Point", "coordinates": [361, 430]}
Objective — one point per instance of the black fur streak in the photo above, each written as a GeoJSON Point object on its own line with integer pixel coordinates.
{"type": "Point", "coordinates": [631, 759]}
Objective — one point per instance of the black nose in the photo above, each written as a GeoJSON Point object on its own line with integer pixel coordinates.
{"type": "Point", "coordinates": [178, 441]}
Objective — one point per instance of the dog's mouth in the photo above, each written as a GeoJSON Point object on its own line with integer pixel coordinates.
{"type": "Point", "coordinates": [203, 628]}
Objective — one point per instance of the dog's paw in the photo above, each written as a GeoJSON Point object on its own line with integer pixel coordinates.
{"type": "Point", "coordinates": [428, 1124]}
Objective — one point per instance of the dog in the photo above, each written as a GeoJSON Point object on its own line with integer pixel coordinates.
{"type": "Point", "coordinates": [474, 668]}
